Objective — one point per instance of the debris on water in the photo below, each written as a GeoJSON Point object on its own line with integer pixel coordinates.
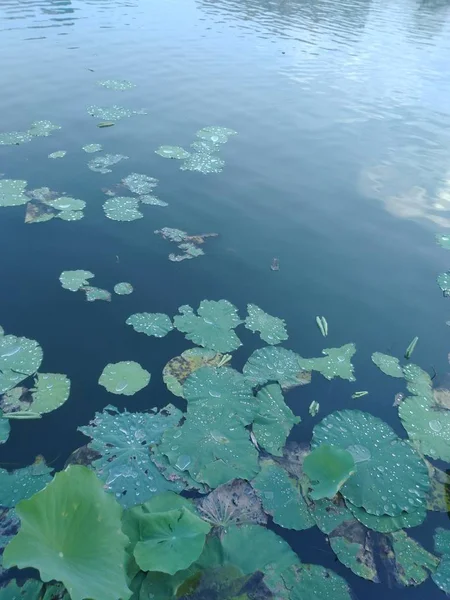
{"type": "Point", "coordinates": [398, 398]}
{"type": "Point", "coordinates": [105, 124]}
{"type": "Point", "coordinates": [410, 348]}
{"type": "Point", "coordinates": [322, 325]}
{"type": "Point", "coordinates": [187, 243]}
{"type": "Point", "coordinates": [58, 154]}
{"type": "Point", "coordinates": [359, 394]}
{"type": "Point", "coordinates": [275, 266]}
{"type": "Point", "coordinates": [314, 408]}
{"type": "Point", "coordinates": [100, 164]}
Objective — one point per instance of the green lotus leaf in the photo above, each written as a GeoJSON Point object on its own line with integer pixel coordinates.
{"type": "Point", "coordinates": [215, 134]}
{"type": "Point", "coordinates": [152, 324]}
{"type": "Point", "coordinates": [152, 200]}
{"type": "Point", "coordinates": [67, 203]}
{"type": "Point", "coordinates": [328, 468]}
{"type": "Point", "coordinates": [213, 328]}
{"type": "Point", "coordinates": [9, 527]}
{"type": "Point", "coordinates": [177, 479]}
{"type": "Point", "coordinates": [91, 148]}
{"type": "Point", "coordinates": [140, 184]}
{"type": "Point", "coordinates": [203, 162]}
{"type": "Point", "coordinates": [172, 152]}
{"type": "Point", "coordinates": [58, 154]}
{"type": "Point", "coordinates": [95, 293]}
{"type": "Point", "coordinates": [443, 280]}
{"type": "Point", "coordinates": [101, 164]}
{"type": "Point", "coordinates": [205, 146]}
{"type": "Point", "coordinates": [117, 84]}
{"type": "Point", "coordinates": [75, 280]}
{"type": "Point", "coordinates": [388, 364]}
{"type": "Point", "coordinates": [274, 420]}
{"type": "Point", "coordinates": [276, 364]}
{"type": "Point", "coordinates": [311, 582]}
{"type": "Point", "coordinates": [14, 138]}
{"type": "Point", "coordinates": [50, 391]}
{"type": "Point", "coordinates": [337, 362]}
{"type": "Point", "coordinates": [19, 358]}
{"type": "Point", "coordinates": [387, 524]}
{"type": "Point", "coordinates": [122, 440]}
{"type": "Point", "coordinates": [443, 240]}
{"type": "Point", "coordinates": [55, 591]}
{"type": "Point", "coordinates": [178, 369]}
{"type": "Point", "coordinates": [79, 542]}
{"type": "Point", "coordinates": [413, 563]}
{"type": "Point", "coordinates": [123, 288]}
{"type": "Point", "coordinates": [209, 390]}
{"type": "Point", "coordinates": [353, 546]}
{"type": "Point", "coordinates": [439, 495]}
{"type": "Point", "coordinates": [126, 377]}
{"type": "Point", "coordinates": [70, 215]}
{"type": "Point", "coordinates": [12, 192]}
{"type": "Point", "coordinates": [112, 113]}
{"type": "Point", "coordinates": [390, 477]}
{"type": "Point", "coordinates": [330, 514]}
{"type": "Point", "coordinates": [42, 128]}
{"type": "Point", "coordinates": [38, 212]}
{"type": "Point", "coordinates": [272, 329]}
{"type": "Point", "coordinates": [281, 497]}
{"type": "Point", "coordinates": [122, 208]}
{"type": "Point", "coordinates": [21, 484]}
{"type": "Point", "coordinates": [30, 590]}
{"type": "Point", "coordinates": [5, 428]}
{"type": "Point", "coordinates": [441, 576]}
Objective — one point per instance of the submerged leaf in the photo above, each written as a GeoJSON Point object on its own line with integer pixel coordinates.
{"type": "Point", "coordinates": [353, 545]}
{"type": "Point", "coordinates": [172, 152]}
{"type": "Point", "coordinates": [443, 280]}
{"type": "Point", "coordinates": [272, 329]}
{"type": "Point", "coordinates": [276, 364]}
{"type": "Point", "coordinates": [152, 324]}
{"type": "Point", "coordinates": [126, 377]}
{"type": "Point", "coordinates": [58, 154]}
{"type": "Point", "coordinates": [441, 577]}
{"type": "Point", "coordinates": [95, 293]}
{"type": "Point", "coordinates": [117, 84]}
{"type": "Point", "coordinates": [12, 192]}
{"type": "Point", "coordinates": [123, 288]}
{"type": "Point", "coordinates": [75, 280]}
{"type": "Point", "coordinates": [337, 362]}
{"type": "Point", "coordinates": [21, 484]}
{"type": "Point", "coordinates": [388, 364]}
{"type": "Point", "coordinates": [328, 468]}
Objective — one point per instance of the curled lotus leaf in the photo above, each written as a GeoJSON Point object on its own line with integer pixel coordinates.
{"type": "Point", "coordinates": [4, 428]}
{"type": "Point", "coordinates": [272, 329]}
{"type": "Point", "coordinates": [152, 200]}
{"type": "Point", "coordinates": [212, 327]}
{"type": "Point", "coordinates": [91, 148]}
{"type": "Point", "coordinates": [101, 164]}
{"type": "Point", "coordinates": [390, 365]}
{"type": "Point", "coordinates": [172, 152]}
{"type": "Point", "coordinates": [178, 369]}
{"type": "Point", "coordinates": [75, 280]}
{"type": "Point", "coordinates": [19, 358]}
{"type": "Point", "coordinates": [14, 138]}
{"type": "Point", "coordinates": [126, 377]}
{"type": "Point", "coordinates": [12, 192]}
{"type": "Point", "coordinates": [354, 547]}
{"type": "Point", "coordinates": [152, 324]}
{"type": "Point", "coordinates": [140, 184]}
{"type": "Point", "coordinates": [67, 203]}
{"type": "Point", "coordinates": [441, 576]}
{"type": "Point", "coordinates": [443, 239]}
{"type": "Point", "coordinates": [276, 364]}
{"type": "Point", "coordinates": [55, 541]}
{"type": "Point", "coordinates": [23, 483]}
{"type": "Point", "coordinates": [412, 563]}
{"type": "Point", "coordinates": [123, 288]}
{"type": "Point", "coordinates": [42, 128]}
{"type": "Point", "coordinates": [203, 162]}
{"type": "Point", "coordinates": [95, 293]}
{"type": "Point", "coordinates": [390, 478]}
{"type": "Point", "coordinates": [385, 523]}
{"type": "Point", "coordinates": [328, 468]}
{"type": "Point", "coordinates": [58, 154]}
{"type": "Point", "coordinates": [50, 391]}
{"type": "Point", "coordinates": [336, 363]}
{"type": "Point", "coordinates": [443, 280]}
{"type": "Point", "coordinates": [274, 419]}
{"type": "Point", "coordinates": [117, 84]}
{"type": "Point", "coordinates": [122, 208]}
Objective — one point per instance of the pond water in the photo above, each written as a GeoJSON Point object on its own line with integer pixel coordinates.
{"type": "Point", "coordinates": [340, 170]}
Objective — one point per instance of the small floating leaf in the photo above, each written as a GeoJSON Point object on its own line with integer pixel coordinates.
{"type": "Point", "coordinates": [314, 408]}
{"type": "Point", "coordinates": [413, 563]}
{"type": "Point", "coordinates": [21, 484]}
{"type": "Point", "coordinates": [91, 148]}
{"type": "Point", "coordinates": [272, 329]}
{"type": "Point", "coordinates": [125, 377]}
{"type": "Point", "coordinates": [122, 208]}
{"type": "Point", "coordinates": [328, 468]}
{"type": "Point", "coordinates": [14, 138]}
{"type": "Point", "coordinates": [443, 280]}
{"type": "Point", "coordinates": [117, 84]}
{"type": "Point", "coordinates": [58, 154]}
{"type": "Point", "coordinates": [75, 280]}
{"type": "Point", "coordinates": [215, 134]}
{"type": "Point", "coordinates": [410, 348]}
{"type": "Point", "coordinates": [104, 124]}
{"type": "Point", "coordinates": [388, 364]}
{"type": "Point", "coordinates": [42, 128]}
{"type": "Point", "coordinates": [386, 523]}
{"type": "Point", "coordinates": [152, 324]}
{"type": "Point", "coordinates": [152, 200]}
{"type": "Point", "coordinates": [66, 203]}
{"type": "Point", "coordinates": [360, 394]}
{"type": "Point", "coordinates": [112, 113]}
{"type": "Point", "coordinates": [443, 240]}
{"type": "Point", "coordinates": [50, 391]}
{"type": "Point", "coordinates": [203, 163]}
{"type": "Point", "coordinates": [19, 358]}
{"type": "Point", "coordinates": [12, 192]}
{"type": "Point", "coordinates": [123, 288]}
{"type": "Point", "coordinates": [322, 325]}
{"type": "Point", "coordinates": [100, 164]}
{"type": "Point", "coordinates": [95, 293]}
{"type": "Point", "coordinates": [140, 184]}
{"type": "Point", "coordinates": [337, 362]}
{"type": "Point", "coordinates": [273, 363]}
{"type": "Point", "coordinates": [70, 215]}
{"type": "Point", "coordinates": [172, 152]}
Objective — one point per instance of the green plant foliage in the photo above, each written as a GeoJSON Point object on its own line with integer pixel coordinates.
{"type": "Point", "coordinates": [152, 200]}
{"type": "Point", "coordinates": [390, 477]}
{"type": "Point", "coordinates": [439, 495]}
{"type": "Point", "coordinates": [329, 514]}
{"type": "Point", "coordinates": [413, 562]}
{"type": "Point", "coordinates": [5, 428]}
{"type": "Point", "coordinates": [311, 582]}
{"type": "Point", "coordinates": [70, 215]}
{"type": "Point", "coordinates": [203, 162]}
{"type": "Point", "coordinates": [274, 419]}
{"type": "Point", "coordinates": [215, 134]}
{"type": "Point", "coordinates": [212, 327]}
{"type": "Point", "coordinates": [328, 468]}
{"type": "Point", "coordinates": [276, 364]}
{"type": "Point", "coordinates": [14, 138]}
{"type": "Point", "coordinates": [354, 548]}
{"type": "Point", "coordinates": [385, 523]}
{"type": "Point", "coordinates": [314, 408]}
{"type": "Point", "coordinates": [30, 590]}
{"type": "Point", "coordinates": [42, 128]}
{"type": "Point", "coordinates": [172, 152]}
{"type": "Point", "coordinates": [443, 240]}
{"type": "Point", "coordinates": [140, 184]}
{"type": "Point", "coordinates": [336, 363]}
{"type": "Point", "coordinates": [122, 208]}
{"type": "Point", "coordinates": [123, 289]}
{"type": "Point", "coordinates": [91, 148]}
{"type": "Point", "coordinates": [152, 324]}
{"type": "Point", "coordinates": [126, 377]}
{"type": "Point", "coordinates": [79, 542]}
{"type": "Point", "coordinates": [117, 84]}
{"type": "Point", "coordinates": [112, 113]}
{"type": "Point", "coordinates": [75, 280]}
{"type": "Point", "coordinates": [66, 203]}
{"type": "Point", "coordinates": [12, 192]}
{"type": "Point", "coordinates": [50, 391]}
{"type": "Point", "coordinates": [21, 484]}
{"type": "Point", "coordinates": [272, 329]}
{"type": "Point", "coordinates": [19, 358]}
{"type": "Point", "coordinates": [388, 364]}
{"type": "Point", "coordinates": [95, 293]}
{"type": "Point", "coordinates": [443, 280]}
{"type": "Point", "coordinates": [441, 576]}
{"type": "Point", "coordinates": [58, 154]}
{"type": "Point", "coordinates": [281, 497]}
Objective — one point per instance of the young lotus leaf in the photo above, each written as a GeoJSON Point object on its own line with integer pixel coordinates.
{"type": "Point", "coordinates": [413, 563]}
{"type": "Point", "coordinates": [178, 369]}
{"type": "Point", "coordinates": [311, 582]}
{"type": "Point", "coordinates": [122, 208]}
{"type": "Point", "coordinates": [5, 428]}
{"type": "Point", "coordinates": [443, 240]}
{"type": "Point", "coordinates": [112, 113]}
{"type": "Point", "coordinates": [390, 476]}
{"type": "Point", "coordinates": [123, 440]}
{"type": "Point", "coordinates": [79, 542]}
{"type": "Point", "coordinates": [123, 288]}
{"type": "Point", "coordinates": [19, 358]}
{"type": "Point", "coordinates": [387, 524]}
{"type": "Point", "coordinates": [58, 154]}
{"type": "Point", "coordinates": [67, 203]}
{"type": "Point", "coordinates": [337, 362]}
{"type": "Point", "coordinates": [328, 468]}
{"type": "Point", "coordinates": [140, 184]}
{"type": "Point", "coordinates": [12, 192]}
{"type": "Point", "coordinates": [388, 364]}
{"type": "Point", "coordinates": [117, 84]}
{"type": "Point", "coordinates": [170, 541]}
{"type": "Point", "coordinates": [274, 419]}
{"type": "Point", "coordinates": [91, 148]}
{"type": "Point", "coordinates": [126, 377]}
{"type": "Point", "coordinates": [203, 162]}
{"type": "Point", "coordinates": [21, 484]}
{"type": "Point", "coordinates": [212, 327]}
{"type": "Point", "coordinates": [14, 138]}
{"type": "Point", "coordinates": [42, 128]}
{"type": "Point", "coordinates": [50, 391]}
{"type": "Point", "coordinates": [353, 545]}
{"type": "Point", "coordinates": [443, 280]}
{"type": "Point", "coordinates": [70, 215]}
{"type": "Point", "coordinates": [441, 576]}
{"type": "Point", "coordinates": [272, 329]}
{"type": "Point", "coordinates": [30, 590]}
{"type": "Point", "coordinates": [275, 364]}
{"type": "Point", "coordinates": [172, 152]}
{"type": "Point", "coordinates": [281, 497]}
{"type": "Point", "coordinates": [152, 324]}
{"type": "Point", "coordinates": [152, 200]}
{"type": "Point", "coordinates": [75, 280]}
{"type": "Point", "coordinates": [100, 164]}
{"type": "Point", "coordinates": [95, 293]}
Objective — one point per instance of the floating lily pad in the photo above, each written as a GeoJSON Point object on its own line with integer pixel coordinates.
{"type": "Point", "coordinates": [12, 192]}
{"type": "Point", "coordinates": [353, 545]}
{"type": "Point", "coordinates": [203, 163]}
{"type": "Point", "coordinates": [276, 364]}
{"type": "Point", "coordinates": [66, 203]}
{"type": "Point", "coordinates": [387, 524]}
{"type": "Point", "coordinates": [310, 582]}
{"type": "Point", "coordinates": [337, 362]}
{"type": "Point", "coordinates": [443, 240]}
{"type": "Point", "coordinates": [70, 215]}
{"type": "Point", "coordinates": [42, 128]}
{"type": "Point", "coordinates": [14, 138]}
{"type": "Point", "coordinates": [443, 280]}
{"type": "Point", "coordinates": [100, 164]}
{"type": "Point", "coordinates": [38, 212]}
{"type": "Point", "coordinates": [152, 200]}
{"type": "Point", "coordinates": [122, 208]}
{"type": "Point", "coordinates": [441, 576]}
{"type": "Point", "coordinates": [55, 541]}
{"type": "Point", "coordinates": [272, 329]}
{"type": "Point", "coordinates": [328, 468]}
{"type": "Point", "coordinates": [75, 280]}
{"type": "Point", "coordinates": [215, 134]}
{"type": "Point", "coordinates": [413, 563]}
{"type": "Point", "coordinates": [50, 391]}
{"type": "Point", "coordinates": [140, 184]}
{"type": "Point", "coordinates": [58, 154]}
{"type": "Point", "coordinates": [390, 477]}
{"type": "Point", "coordinates": [274, 419]}
{"type": "Point", "coordinates": [212, 327]}
{"type": "Point", "coordinates": [126, 377]}
{"type": "Point", "coordinates": [113, 113]}
{"type": "Point", "coordinates": [172, 152]}
{"type": "Point", "coordinates": [388, 364]}
{"type": "Point", "coordinates": [205, 146]}
{"type": "Point", "coordinates": [19, 358]}
{"type": "Point", "coordinates": [330, 514]}
{"type": "Point", "coordinates": [21, 484]}
{"type": "Point", "coordinates": [4, 428]}
{"type": "Point", "coordinates": [117, 84]}
{"type": "Point", "coordinates": [91, 148]}
{"type": "Point", "coordinates": [152, 324]}
{"type": "Point", "coordinates": [123, 288]}
{"type": "Point", "coordinates": [95, 293]}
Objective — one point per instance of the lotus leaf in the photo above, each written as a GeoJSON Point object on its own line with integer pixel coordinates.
{"type": "Point", "coordinates": [441, 576]}
{"type": "Point", "coordinates": [123, 288]}
{"type": "Point", "coordinates": [281, 497]}
{"type": "Point", "coordinates": [75, 280]}
{"type": "Point", "coordinates": [216, 135]}
{"type": "Point", "coordinates": [272, 329]}
{"type": "Point", "coordinates": [91, 148]}
{"type": "Point", "coordinates": [390, 477]}
{"type": "Point", "coordinates": [337, 362]}
{"type": "Point", "coordinates": [203, 162]}
{"type": "Point", "coordinates": [172, 152]}
{"type": "Point", "coordinates": [330, 514]}
{"type": "Point", "coordinates": [418, 382]}
{"type": "Point", "coordinates": [112, 113]}
{"type": "Point", "coordinates": [126, 377]}
{"type": "Point", "coordinates": [117, 84]}
{"type": "Point", "coordinates": [205, 146]}
{"type": "Point", "coordinates": [12, 192]}
{"type": "Point", "coordinates": [21, 484]}
{"type": "Point", "coordinates": [42, 128]}
{"type": "Point", "coordinates": [328, 468]}
{"type": "Point", "coordinates": [123, 440]}
{"type": "Point", "coordinates": [4, 428]}
{"type": "Point", "coordinates": [387, 524]}
{"type": "Point", "coordinates": [413, 563]}
{"type": "Point", "coordinates": [95, 293]}
{"type": "Point", "coordinates": [388, 364]}
{"type": "Point", "coordinates": [2, 331]}
{"type": "Point", "coordinates": [209, 390]}
{"type": "Point", "coordinates": [140, 184]}
{"type": "Point", "coordinates": [172, 234]}
{"type": "Point", "coordinates": [14, 138]}
{"type": "Point", "coordinates": [274, 419]}
{"type": "Point", "coordinates": [179, 479]}
{"type": "Point", "coordinates": [152, 200]}
{"type": "Point", "coordinates": [443, 280]}
{"type": "Point", "coordinates": [439, 496]}
{"type": "Point", "coordinates": [66, 203]}
{"type": "Point", "coordinates": [30, 590]}
{"type": "Point", "coordinates": [55, 591]}
{"type": "Point", "coordinates": [178, 369]}
{"type": "Point", "coordinates": [152, 324]}
{"type": "Point", "coordinates": [275, 364]}
{"type": "Point", "coordinates": [9, 526]}
{"type": "Point", "coordinates": [58, 154]}
{"type": "Point", "coordinates": [50, 391]}
{"type": "Point", "coordinates": [352, 543]}
{"type": "Point", "coordinates": [122, 208]}
{"type": "Point", "coordinates": [79, 542]}
{"type": "Point", "coordinates": [70, 215]}
{"type": "Point", "coordinates": [100, 164]}
{"type": "Point", "coordinates": [311, 582]}
{"type": "Point", "coordinates": [443, 240]}
{"type": "Point", "coordinates": [213, 328]}
{"type": "Point", "coordinates": [19, 358]}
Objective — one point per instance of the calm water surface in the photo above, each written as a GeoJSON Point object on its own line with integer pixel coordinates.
{"type": "Point", "coordinates": [341, 169]}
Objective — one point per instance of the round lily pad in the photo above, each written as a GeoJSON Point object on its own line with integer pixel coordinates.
{"type": "Point", "coordinates": [95, 293]}
{"type": "Point", "coordinates": [123, 288]}
{"type": "Point", "coordinates": [19, 358]}
{"type": "Point", "coordinates": [140, 184]}
{"type": "Point", "coordinates": [70, 215]}
{"type": "Point", "coordinates": [122, 208]}
{"type": "Point", "coordinates": [172, 152]}
{"type": "Point", "coordinates": [272, 329]}
{"type": "Point", "coordinates": [203, 163]}
{"type": "Point", "coordinates": [75, 280]}
{"type": "Point", "coordinates": [328, 468]}
{"type": "Point", "coordinates": [125, 377]}
{"type": "Point", "coordinates": [276, 364]}
{"type": "Point", "coordinates": [58, 154]}
{"type": "Point", "coordinates": [91, 148]}
{"type": "Point", "coordinates": [67, 203]}
{"type": "Point", "coordinates": [388, 364]}
{"type": "Point", "coordinates": [50, 391]}
{"type": "Point", "coordinates": [152, 324]}
{"type": "Point", "coordinates": [12, 192]}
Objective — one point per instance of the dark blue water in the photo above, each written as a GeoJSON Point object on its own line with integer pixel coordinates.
{"type": "Point", "coordinates": [341, 169]}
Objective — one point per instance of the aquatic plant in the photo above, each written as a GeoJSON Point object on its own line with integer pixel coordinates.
{"type": "Point", "coordinates": [126, 377]}
{"type": "Point", "coordinates": [152, 324]}
{"type": "Point", "coordinates": [272, 329]}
